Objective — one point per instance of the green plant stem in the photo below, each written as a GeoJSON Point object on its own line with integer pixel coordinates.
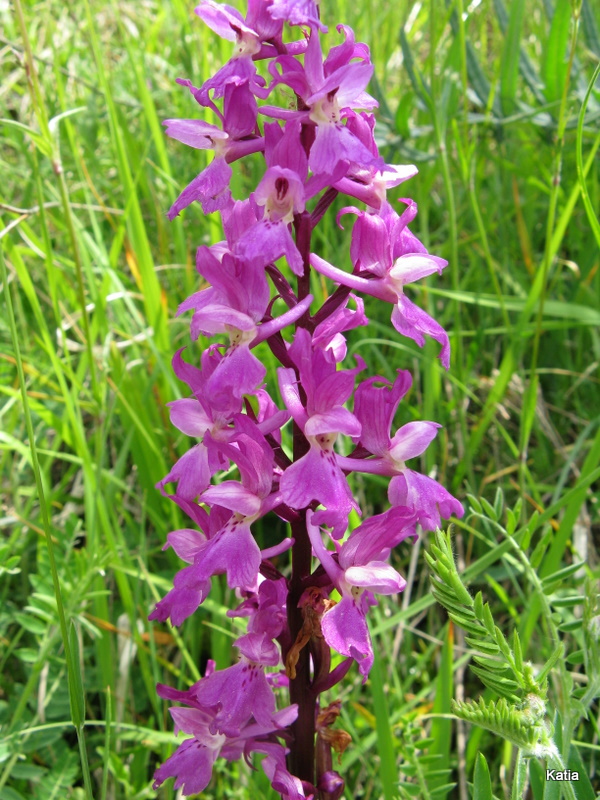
{"type": "Point", "coordinates": [519, 783]}
{"type": "Point", "coordinates": [566, 786]}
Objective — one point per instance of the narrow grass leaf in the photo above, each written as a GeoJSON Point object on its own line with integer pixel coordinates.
{"type": "Point", "coordinates": [385, 739]}
{"type": "Point", "coordinates": [554, 64]}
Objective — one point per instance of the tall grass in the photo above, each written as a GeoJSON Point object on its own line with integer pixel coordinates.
{"type": "Point", "coordinates": [496, 104]}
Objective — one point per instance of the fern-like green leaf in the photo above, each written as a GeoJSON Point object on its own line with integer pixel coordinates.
{"type": "Point", "coordinates": [523, 725]}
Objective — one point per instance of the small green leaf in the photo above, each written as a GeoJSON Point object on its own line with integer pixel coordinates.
{"type": "Point", "coordinates": [537, 778]}
{"type": "Point", "coordinates": [584, 787]}
{"type": "Point", "coordinates": [482, 785]}
{"type": "Point", "coordinates": [499, 502]}
{"type": "Point", "coordinates": [489, 509]}
{"type": "Point", "coordinates": [474, 503]}
{"type": "Point", "coordinates": [488, 621]}
{"type": "Point", "coordinates": [567, 627]}
{"type": "Point", "coordinates": [478, 606]}
{"type": "Point", "coordinates": [575, 658]}
{"type": "Point", "coordinates": [518, 651]}
{"type": "Point", "coordinates": [489, 648]}
{"type": "Point", "coordinates": [561, 574]}
{"type": "Point", "coordinates": [550, 663]}
{"type": "Point", "coordinates": [568, 602]}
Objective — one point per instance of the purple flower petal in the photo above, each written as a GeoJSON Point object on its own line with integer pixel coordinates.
{"type": "Point", "coordinates": [232, 495]}
{"type": "Point", "coordinates": [233, 551]}
{"type": "Point", "coordinates": [377, 536]}
{"type": "Point", "coordinates": [411, 321]}
{"type": "Point", "coordinates": [195, 133]}
{"type": "Point", "coordinates": [377, 576]}
{"type": "Point", "coordinates": [345, 629]}
{"type": "Point", "coordinates": [337, 420]}
{"type": "Point", "coordinates": [186, 542]}
{"type": "Point", "coordinates": [191, 766]}
{"type": "Point", "coordinates": [240, 109]}
{"type": "Point", "coordinates": [189, 417]}
{"type": "Point", "coordinates": [427, 497]}
{"type": "Point", "coordinates": [316, 476]}
{"type": "Point", "coordinates": [375, 406]}
{"type": "Point", "coordinates": [413, 439]}
{"type": "Point", "coordinates": [238, 693]}
{"type": "Point", "coordinates": [414, 266]}
{"type": "Point", "coordinates": [191, 473]}
{"type": "Point", "coordinates": [210, 188]}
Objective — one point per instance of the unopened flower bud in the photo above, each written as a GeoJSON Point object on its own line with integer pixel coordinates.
{"type": "Point", "coordinates": [331, 784]}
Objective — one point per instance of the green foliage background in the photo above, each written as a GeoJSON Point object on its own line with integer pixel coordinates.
{"type": "Point", "coordinates": [489, 100]}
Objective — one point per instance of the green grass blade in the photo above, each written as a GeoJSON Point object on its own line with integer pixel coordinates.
{"type": "Point", "coordinates": [554, 64]}
{"type": "Point", "coordinates": [509, 68]}
{"type": "Point", "coordinates": [77, 705]}
{"type": "Point", "coordinates": [585, 196]}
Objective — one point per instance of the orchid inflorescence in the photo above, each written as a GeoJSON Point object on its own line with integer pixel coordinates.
{"type": "Point", "coordinates": [322, 147]}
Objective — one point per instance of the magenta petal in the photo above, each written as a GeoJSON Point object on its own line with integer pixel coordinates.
{"type": "Point", "coordinates": [259, 648]}
{"type": "Point", "coordinates": [411, 321]}
{"type": "Point", "coordinates": [194, 132]}
{"type": "Point", "coordinates": [345, 629]}
{"type": "Point", "coordinates": [240, 109]}
{"type": "Point", "coordinates": [377, 576]}
{"type": "Point", "coordinates": [191, 472]}
{"type": "Point", "coordinates": [238, 693]}
{"type": "Point", "coordinates": [428, 498]}
{"type": "Point", "coordinates": [316, 476]}
{"type": "Point", "coordinates": [375, 538]}
{"type": "Point", "coordinates": [414, 266]}
{"type": "Point", "coordinates": [334, 143]}
{"type": "Point", "coordinates": [297, 12]}
{"type": "Point", "coordinates": [224, 20]}
{"type": "Point", "coordinates": [375, 406]}
{"type": "Point", "coordinates": [413, 439]}
{"type": "Point", "coordinates": [232, 495]}
{"type": "Point", "coordinates": [186, 542]}
{"type": "Point", "coordinates": [338, 420]}
{"type": "Point", "coordinates": [371, 248]}
{"type": "Point", "coordinates": [191, 766]}
{"type": "Point", "coordinates": [239, 373]}
{"type": "Point", "coordinates": [219, 318]}
{"type": "Point", "coordinates": [191, 589]}
{"type": "Point", "coordinates": [235, 552]}
{"type": "Point", "coordinates": [268, 241]}
{"type": "Point", "coordinates": [210, 188]}
{"type": "Point", "coordinates": [189, 417]}
{"type": "Point", "coordinates": [288, 388]}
